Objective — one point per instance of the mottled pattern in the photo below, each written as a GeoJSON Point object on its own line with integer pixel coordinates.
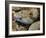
{"type": "Point", "coordinates": [23, 18]}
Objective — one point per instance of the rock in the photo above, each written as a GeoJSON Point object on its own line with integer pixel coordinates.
{"type": "Point", "coordinates": [14, 26]}
{"type": "Point", "coordinates": [17, 27]}
{"type": "Point", "coordinates": [21, 28]}
{"type": "Point", "coordinates": [35, 13]}
{"type": "Point", "coordinates": [35, 26]}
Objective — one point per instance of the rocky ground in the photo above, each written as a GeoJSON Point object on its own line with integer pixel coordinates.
{"type": "Point", "coordinates": [28, 13]}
